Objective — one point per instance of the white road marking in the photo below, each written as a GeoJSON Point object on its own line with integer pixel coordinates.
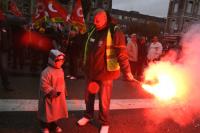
{"type": "Point", "coordinates": [74, 105]}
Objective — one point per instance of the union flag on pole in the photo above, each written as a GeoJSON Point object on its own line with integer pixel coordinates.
{"type": "Point", "coordinates": [51, 9]}
{"type": "Point", "coordinates": [77, 17]}
{"type": "Point", "coordinates": [56, 11]}
{"type": "Point", "coordinates": [40, 12]}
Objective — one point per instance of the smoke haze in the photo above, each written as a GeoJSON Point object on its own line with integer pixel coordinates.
{"type": "Point", "coordinates": [186, 106]}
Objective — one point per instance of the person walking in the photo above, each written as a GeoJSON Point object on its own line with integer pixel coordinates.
{"type": "Point", "coordinates": [132, 48]}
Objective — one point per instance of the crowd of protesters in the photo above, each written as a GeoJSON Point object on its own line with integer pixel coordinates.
{"type": "Point", "coordinates": [142, 51]}
{"type": "Point", "coordinates": [25, 46]}
{"type": "Point", "coordinates": [33, 57]}
{"type": "Point", "coordinates": [102, 53]}
{"type": "Point", "coordinates": [21, 55]}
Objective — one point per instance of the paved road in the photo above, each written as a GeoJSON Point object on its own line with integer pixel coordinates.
{"type": "Point", "coordinates": [122, 121]}
{"type": "Point", "coordinates": [26, 87]}
{"type": "Point", "coordinates": [129, 106]}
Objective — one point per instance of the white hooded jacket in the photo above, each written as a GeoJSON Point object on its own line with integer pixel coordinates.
{"type": "Point", "coordinates": [52, 109]}
{"type": "Point", "coordinates": [155, 51]}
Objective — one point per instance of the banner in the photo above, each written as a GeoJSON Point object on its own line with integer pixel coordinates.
{"type": "Point", "coordinates": [48, 14]}
{"type": "Point", "coordinates": [40, 12]}
{"type": "Point", "coordinates": [56, 11]}
{"type": "Point", "coordinates": [77, 17]}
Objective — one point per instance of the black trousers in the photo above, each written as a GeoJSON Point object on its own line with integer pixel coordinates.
{"type": "Point", "coordinates": [134, 66]}
{"type": "Point", "coordinates": [3, 72]}
{"type": "Point", "coordinates": [73, 63]}
{"type": "Point", "coordinates": [104, 95]}
{"type": "Point", "coordinates": [51, 125]}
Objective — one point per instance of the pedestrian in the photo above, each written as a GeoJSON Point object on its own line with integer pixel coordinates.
{"type": "Point", "coordinates": [105, 53]}
{"type": "Point", "coordinates": [18, 48]}
{"type": "Point", "coordinates": [73, 53]}
{"type": "Point", "coordinates": [4, 47]}
{"type": "Point", "coordinates": [132, 48]}
{"type": "Point", "coordinates": [142, 57]}
{"type": "Point", "coordinates": [155, 50]}
{"type": "Point", "coordinates": [52, 94]}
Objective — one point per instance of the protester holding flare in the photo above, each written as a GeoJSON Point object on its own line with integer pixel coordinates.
{"type": "Point", "coordinates": [105, 53]}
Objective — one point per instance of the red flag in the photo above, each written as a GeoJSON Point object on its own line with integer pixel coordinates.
{"type": "Point", "coordinates": [77, 17]}
{"type": "Point", "coordinates": [2, 17]}
{"type": "Point", "coordinates": [56, 11]}
{"type": "Point", "coordinates": [40, 12]}
{"type": "Point", "coordinates": [12, 7]}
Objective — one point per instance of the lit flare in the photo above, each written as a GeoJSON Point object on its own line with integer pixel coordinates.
{"type": "Point", "coordinates": [165, 81]}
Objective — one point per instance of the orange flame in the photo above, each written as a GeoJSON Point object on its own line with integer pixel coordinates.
{"type": "Point", "coordinates": [165, 81]}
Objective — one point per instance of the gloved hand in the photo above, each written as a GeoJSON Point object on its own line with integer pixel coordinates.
{"type": "Point", "coordinates": [52, 94]}
{"type": "Point", "coordinates": [129, 76]}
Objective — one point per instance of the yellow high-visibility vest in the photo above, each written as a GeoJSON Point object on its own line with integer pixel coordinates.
{"type": "Point", "coordinates": [111, 58]}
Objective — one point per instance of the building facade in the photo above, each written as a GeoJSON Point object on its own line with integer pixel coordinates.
{"type": "Point", "coordinates": [133, 19]}
{"type": "Point", "coordinates": [182, 14]}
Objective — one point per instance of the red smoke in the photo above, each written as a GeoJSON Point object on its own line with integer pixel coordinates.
{"type": "Point", "coordinates": [37, 41]}
{"type": "Point", "coordinates": [177, 92]}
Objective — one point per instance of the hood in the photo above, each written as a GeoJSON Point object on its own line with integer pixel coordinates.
{"type": "Point", "coordinates": [53, 55]}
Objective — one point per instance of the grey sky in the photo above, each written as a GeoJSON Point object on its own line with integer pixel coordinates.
{"type": "Point", "coordinates": [157, 8]}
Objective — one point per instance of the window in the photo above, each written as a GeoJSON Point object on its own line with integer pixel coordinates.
{"type": "Point", "coordinates": [126, 17]}
{"type": "Point", "coordinates": [120, 17]}
{"type": "Point", "coordinates": [189, 6]}
{"type": "Point", "coordinates": [175, 7]}
{"type": "Point", "coordinates": [174, 26]}
{"type": "Point", "coordinates": [186, 25]}
{"type": "Point", "coordinates": [142, 20]}
{"type": "Point", "coordinates": [134, 19]}
{"type": "Point", "coordinates": [198, 10]}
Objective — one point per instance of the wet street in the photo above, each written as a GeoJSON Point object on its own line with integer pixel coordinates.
{"type": "Point", "coordinates": [129, 104]}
